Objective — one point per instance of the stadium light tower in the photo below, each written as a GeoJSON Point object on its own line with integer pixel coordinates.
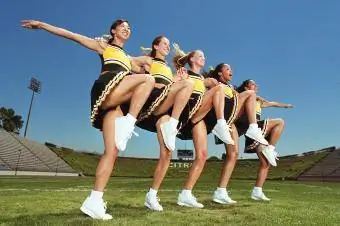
{"type": "Point", "coordinates": [35, 86]}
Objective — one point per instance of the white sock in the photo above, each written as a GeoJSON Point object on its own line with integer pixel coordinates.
{"type": "Point", "coordinates": [221, 190]}
{"type": "Point", "coordinates": [186, 192]}
{"type": "Point", "coordinates": [96, 194]}
{"type": "Point", "coordinates": [257, 190]}
{"type": "Point", "coordinates": [173, 122]}
{"type": "Point", "coordinates": [152, 191]}
{"type": "Point", "coordinates": [131, 119]}
{"type": "Point", "coordinates": [253, 125]}
{"type": "Point", "coordinates": [221, 121]}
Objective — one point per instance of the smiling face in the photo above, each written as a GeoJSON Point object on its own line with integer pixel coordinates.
{"type": "Point", "coordinates": [122, 31]}
{"type": "Point", "coordinates": [198, 59]}
{"type": "Point", "coordinates": [162, 47]}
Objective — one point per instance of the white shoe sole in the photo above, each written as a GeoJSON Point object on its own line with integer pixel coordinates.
{"type": "Point", "coordinates": [267, 157]}
{"type": "Point", "coordinates": [216, 134]}
{"type": "Point", "coordinates": [187, 205]}
{"type": "Point", "coordinates": [91, 214]}
{"type": "Point", "coordinates": [259, 199]}
{"type": "Point", "coordinates": [254, 138]}
{"type": "Point", "coordinates": [163, 135]}
{"type": "Point", "coordinates": [149, 206]}
{"type": "Point", "coordinates": [224, 203]}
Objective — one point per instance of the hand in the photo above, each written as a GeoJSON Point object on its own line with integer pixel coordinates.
{"type": "Point", "coordinates": [289, 106]}
{"type": "Point", "coordinates": [31, 24]}
{"type": "Point", "coordinates": [212, 82]}
{"type": "Point", "coordinates": [181, 74]}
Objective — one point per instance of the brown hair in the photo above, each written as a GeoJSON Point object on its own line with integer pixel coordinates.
{"type": "Point", "coordinates": [114, 26]}
{"type": "Point", "coordinates": [155, 42]}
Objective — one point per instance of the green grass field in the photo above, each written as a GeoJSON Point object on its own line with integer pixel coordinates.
{"type": "Point", "coordinates": [56, 201]}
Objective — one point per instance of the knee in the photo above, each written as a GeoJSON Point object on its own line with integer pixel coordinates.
{"type": "Point", "coordinates": [264, 166]}
{"type": "Point", "coordinates": [163, 119]}
{"type": "Point", "coordinates": [250, 93]}
{"type": "Point", "coordinates": [189, 84]}
{"type": "Point", "coordinates": [111, 154]}
{"type": "Point", "coordinates": [233, 154]}
{"type": "Point", "coordinates": [202, 156]}
{"type": "Point", "coordinates": [281, 122]}
{"type": "Point", "coordinates": [166, 156]}
{"type": "Point", "coordinates": [149, 79]}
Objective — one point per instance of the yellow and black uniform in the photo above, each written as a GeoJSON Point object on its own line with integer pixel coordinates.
{"type": "Point", "coordinates": [242, 125]}
{"type": "Point", "coordinates": [230, 110]}
{"type": "Point", "coordinates": [194, 103]}
{"type": "Point", "coordinates": [163, 75]}
{"type": "Point", "coordinates": [115, 66]}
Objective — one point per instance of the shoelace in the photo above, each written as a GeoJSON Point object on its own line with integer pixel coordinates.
{"type": "Point", "coordinates": [276, 155]}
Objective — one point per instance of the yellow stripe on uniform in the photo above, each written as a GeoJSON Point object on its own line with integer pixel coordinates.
{"type": "Point", "coordinates": [116, 55]}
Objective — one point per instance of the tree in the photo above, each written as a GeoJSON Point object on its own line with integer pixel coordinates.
{"type": "Point", "coordinates": [9, 121]}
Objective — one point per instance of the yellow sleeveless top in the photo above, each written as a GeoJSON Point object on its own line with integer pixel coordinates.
{"type": "Point", "coordinates": [161, 72]}
{"type": "Point", "coordinates": [198, 80]}
{"type": "Point", "coordinates": [258, 107]}
{"type": "Point", "coordinates": [115, 55]}
{"type": "Point", "coordinates": [229, 92]}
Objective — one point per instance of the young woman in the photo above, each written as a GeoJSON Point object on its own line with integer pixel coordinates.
{"type": "Point", "coordinates": [170, 95]}
{"type": "Point", "coordinates": [242, 104]}
{"type": "Point", "coordinates": [114, 86]}
{"type": "Point", "coordinates": [201, 102]}
{"type": "Point", "coordinates": [271, 129]}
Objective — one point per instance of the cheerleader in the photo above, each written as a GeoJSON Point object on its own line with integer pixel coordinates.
{"type": "Point", "coordinates": [237, 104]}
{"type": "Point", "coordinates": [170, 95]}
{"type": "Point", "coordinates": [271, 129]}
{"type": "Point", "coordinates": [114, 86]}
{"type": "Point", "coordinates": [198, 106]}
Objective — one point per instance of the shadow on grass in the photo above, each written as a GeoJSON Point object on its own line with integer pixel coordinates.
{"type": "Point", "coordinates": [75, 216]}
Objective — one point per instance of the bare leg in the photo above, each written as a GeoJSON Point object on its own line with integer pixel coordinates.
{"type": "Point", "coordinates": [263, 170]}
{"type": "Point", "coordinates": [275, 128]}
{"type": "Point", "coordinates": [247, 102]}
{"type": "Point", "coordinates": [106, 163]}
{"type": "Point", "coordinates": [230, 162]}
{"type": "Point", "coordinates": [200, 143]}
{"type": "Point", "coordinates": [212, 98]}
{"type": "Point", "coordinates": [135, 87]}
{"type": "Point", "coordinates": [164, 158]}
{"type": "Point", "coordinates": [177, 97]}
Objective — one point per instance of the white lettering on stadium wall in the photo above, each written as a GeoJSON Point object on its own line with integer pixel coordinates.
{"type": "Point", "coordinates": [180, 165]}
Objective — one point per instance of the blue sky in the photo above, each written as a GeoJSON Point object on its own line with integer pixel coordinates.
{"type": "Point", "coordinates": [291, 48]}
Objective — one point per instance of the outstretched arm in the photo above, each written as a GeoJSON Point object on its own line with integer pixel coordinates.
{"type": "Point", "coordinates": [266, 103]}
{"type": "Point", "coordinates": [89, 43]}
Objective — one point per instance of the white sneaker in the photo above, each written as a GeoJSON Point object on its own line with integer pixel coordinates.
{"type": "Point", "coordinates": [188, 200]}
{"type": "Point", "coordinates": [276, 155]}
{"type": "Point", "coordinates": [223, 133]}
{"type": "Point", "coordinates": [259, 196]}
{"type": "Point", "coordinates": [123, 132]}
{"type": "Point", "coordinates": [95, 208]}
{"type": "Point", "coordinates": [222, 198]}
{"type": "Point", "coordinates": [255, 133]}
{"type": "Point", "coordinates": [169, 134]}
{"type": "Point", "coordinates": [152, 202]}
{"type": "Point", "coordinates": [269, 153]}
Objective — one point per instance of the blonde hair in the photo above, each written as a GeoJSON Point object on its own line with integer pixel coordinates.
{"type": "Point", "coordinates": [180, 57]}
